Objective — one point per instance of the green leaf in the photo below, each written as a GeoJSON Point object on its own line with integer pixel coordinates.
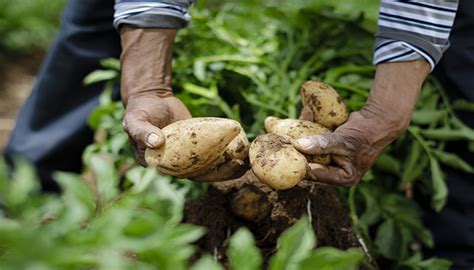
{"type": "Point", "coordinates": [447, 134]}
{"type": "Point", "coordinates": [24, 183]}
{"type": "Point", "coordinates": [329, 258]}
{"type": "Point", "coordinates": [294, 245]}
{"type": "Point", "coordinates": [388, 163]}
{"type": "Point", "coordinates": [242, 253]}
{"type": "Point", "coordinates": [435, 264]}
{"type": "Point", "coordinates": [111, 63]}
{"type": "Point", "coordinates": [200, 91]}
{"type": "Point", "coordinates": [100, 76]}
{"type": "Point", "coordinates": [200, 70]}
{"type": "Point", "coordinates": [453, 160]}
{"type": "Point", "coordinates": [412, 168]}
{"type": "Point", "coordinates": [463, 105]}
{"type": "Point", "coordinates": [440, 190]}
{"type": "Point", "coordinates": [427, 117]}
{"type": "Point", "coordinates": [73, 185]}
{"type": "Point", "coordinates": [206, 262]}
{"type": "Point", "coordinates": [105, 176]}
{"type": "Point", "coordinates": [388, 240]}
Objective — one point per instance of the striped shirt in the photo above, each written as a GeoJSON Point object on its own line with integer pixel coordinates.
{"type": "Point", "coordinates": [413, 30]}
{"type": "Point", "coordinates": [407, 30]}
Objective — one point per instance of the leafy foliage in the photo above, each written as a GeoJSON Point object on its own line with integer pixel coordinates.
{"type": "Point", "coordinates": [28, 25]}
{"type": "Point", "coordinates": [243, 60]}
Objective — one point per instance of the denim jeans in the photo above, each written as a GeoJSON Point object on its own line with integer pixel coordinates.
{"type": "Point", "coordinates": [51, 129]}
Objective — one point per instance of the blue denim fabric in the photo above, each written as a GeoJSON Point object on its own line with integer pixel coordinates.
{"type": "Point", "coordinates": [51, 130]}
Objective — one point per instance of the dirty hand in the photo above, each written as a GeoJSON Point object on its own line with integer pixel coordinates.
{"type": "Point", "coordinates": [356, 144]}
{"type": "Point", "coordinates": [148, 97]}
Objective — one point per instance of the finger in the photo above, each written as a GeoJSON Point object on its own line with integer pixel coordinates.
{"type": "Point", "coordinates": [230, 170]}
{"type": "Point", "coordinates": [342, 176]}
{"type": "Point", "coordinates": [139, 152]}
{"type": "Point", "coordinates": [143, 132]}
{"type": "Point", "coordinates": [324, 144]}
{"type": "Point", "coordinates": [307, 114]}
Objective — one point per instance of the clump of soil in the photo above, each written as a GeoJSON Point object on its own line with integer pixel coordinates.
{"type": "Point", "coordinates": [330, 220]}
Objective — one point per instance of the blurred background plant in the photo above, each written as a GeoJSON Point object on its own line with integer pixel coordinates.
{"type": "Point", "coordinates": [246, 60]}
{"type": "Point", "coordinates": [27, 26]}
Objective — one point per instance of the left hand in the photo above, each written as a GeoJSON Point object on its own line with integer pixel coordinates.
{"type": "Point", "coordinates": [355, 145]}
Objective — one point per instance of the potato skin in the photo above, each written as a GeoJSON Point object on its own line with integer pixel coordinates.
{"type": "Point", "coordinates": [192, 145]}
{"type": "Point", "coordinates": [238, 148]}
{"type": "Point", "coordinates": [328, 107]}
{"type": "Point", "coordinates": [276, 162]}
{"type": "Point", "coordinates": [296, 129]}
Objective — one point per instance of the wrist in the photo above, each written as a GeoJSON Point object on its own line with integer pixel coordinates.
{"type": "Point", "coordinates": [394, 93]}
{"type": "Point", "coordinates": [146, 62]}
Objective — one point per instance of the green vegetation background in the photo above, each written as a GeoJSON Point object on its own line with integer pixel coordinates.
{"type": "Point", "coordinates": [243, 60]}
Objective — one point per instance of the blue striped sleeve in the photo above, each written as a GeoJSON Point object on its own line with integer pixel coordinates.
{"type": "Point", "coordinates": [413, 30]}
{"type": "Point", "coordinates": [152, 13]}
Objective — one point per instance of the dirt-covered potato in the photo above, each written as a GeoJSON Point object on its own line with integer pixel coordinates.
{"type": "Point", "coordinates": [238, 148]}
{"type": "Point", "coordinates": [276, 162]}
{"type": "Point", "coordinates": [328, 107]}
{"type": "Point", "coordinates": [192, 145]}
{"type": "Point", "coordinates": [250, 203]}
{"type": "Point", "coordinates": [296, 129]}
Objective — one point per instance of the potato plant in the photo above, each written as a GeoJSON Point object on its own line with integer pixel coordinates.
{"type": "Point", "coordinates": [225, 68]}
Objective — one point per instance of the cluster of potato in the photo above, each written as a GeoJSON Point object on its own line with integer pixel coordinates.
{"type": "Point", "coordinates": [273, 158]}
{"type": "Point", "coordinates": [199, 145]}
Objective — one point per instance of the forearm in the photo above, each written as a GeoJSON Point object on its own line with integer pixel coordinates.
{"type": "Point", "coordinates": [395, 91]}
{"type": "Point", "coordinates": [146, 61]}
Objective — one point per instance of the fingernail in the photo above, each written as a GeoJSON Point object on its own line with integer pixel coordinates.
{"type": "Point", "coordinates": [305, 143]}
{"type": "Point", "coordinates": [152, 139]}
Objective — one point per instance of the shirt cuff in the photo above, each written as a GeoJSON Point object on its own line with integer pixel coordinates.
{"type": "Point", "coordinates": [151, 15]}
{"type": "Point", "coordinates": [390, 50]}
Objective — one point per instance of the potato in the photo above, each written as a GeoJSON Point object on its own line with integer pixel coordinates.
{"type": "Point", "coordinates": [250, 203]}
{"type": "Point", "coordinates": [238, 147]}
{"type": "Point", "coordinates": [276, 162]}
{"type": "Point", "coordinates": [328, 107]}
{"type": "Point", "coordinates": [296, 129]}
{"type": "Point", "coordinates": [193, 145]}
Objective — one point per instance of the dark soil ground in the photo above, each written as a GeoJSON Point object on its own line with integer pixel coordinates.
{"type": "Point", "coordinates": [329, 218]}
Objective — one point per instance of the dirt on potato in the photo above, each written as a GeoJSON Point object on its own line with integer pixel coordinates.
{"type": "Point", "coordinates": [330, 220]}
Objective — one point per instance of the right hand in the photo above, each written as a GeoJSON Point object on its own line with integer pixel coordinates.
{"type": "Point", "coordinates": [145, 114]}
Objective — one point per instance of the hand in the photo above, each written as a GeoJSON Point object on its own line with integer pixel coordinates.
{"type": "Point", "coordinates": [145, 114]}
{"type": "Point", "coordinates": [148, 97]}
{"type": "Point", "coordinates": [355, 145]}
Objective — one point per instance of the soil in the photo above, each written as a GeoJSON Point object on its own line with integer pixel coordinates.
{"type": "Point", "coordinates": [17, 75]}
{"type": "Point", "coordinates": [330, 220]}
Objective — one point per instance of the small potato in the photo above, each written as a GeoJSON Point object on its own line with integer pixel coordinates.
{"type": "Point", "coordinates": [328, 107]}
{"type": "Point", "coordinates": [250, 203]}
{"type": "Point", "coordinates": [238, 147]}
{"type": "Point", "coordinates": [296, 129]}
{"type": "Point", "coordinates": [276, 162]}
{"type": "Point", "coordinates": [193, 145]}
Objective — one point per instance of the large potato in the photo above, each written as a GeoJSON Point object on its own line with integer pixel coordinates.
{"type": "Point", "coordinates": [193, 145]}
{"type": "Point", "coordinates": [296, 129]}
{"type": "Point", "coordinates": [276, 162]}
{"type": "Point", "coordinates": [328, 107]}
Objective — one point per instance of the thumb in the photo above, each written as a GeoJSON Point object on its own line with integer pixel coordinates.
{"type": "Point", "coordinates": [143, 132]}
{"type": "Point", "coordinates": [307, 114]}
{"type": "Point", "coordinates": [321, 144]}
